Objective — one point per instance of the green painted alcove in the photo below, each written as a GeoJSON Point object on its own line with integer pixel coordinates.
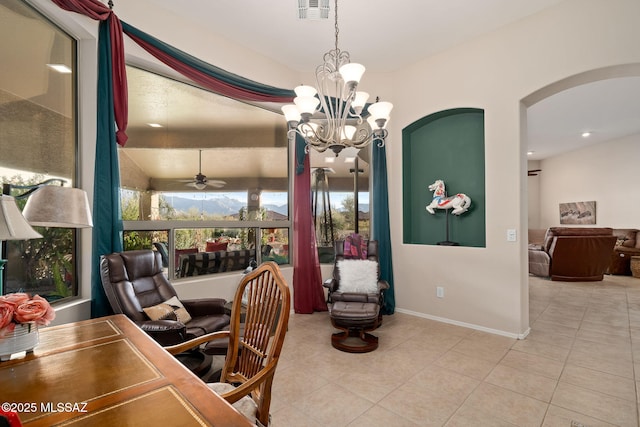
{"type": "Point", "coordinates": [447, 145]}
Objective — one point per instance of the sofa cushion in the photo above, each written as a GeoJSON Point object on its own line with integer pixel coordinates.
{"type": "Point", "coordinates": [626, 237]}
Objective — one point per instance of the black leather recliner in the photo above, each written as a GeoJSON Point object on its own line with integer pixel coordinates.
{"type": "Point", "coordinates": [133, 280]}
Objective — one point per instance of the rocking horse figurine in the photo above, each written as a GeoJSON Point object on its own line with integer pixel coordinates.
{"type": "Point", "coordinates": [460, 203]}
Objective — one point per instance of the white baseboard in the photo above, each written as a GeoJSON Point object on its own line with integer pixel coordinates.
{"type": "Point", "coordinates": [466, 325]}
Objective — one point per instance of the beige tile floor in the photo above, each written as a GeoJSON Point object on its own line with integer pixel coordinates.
{"type": "Point", "coordinates": [580, 365]}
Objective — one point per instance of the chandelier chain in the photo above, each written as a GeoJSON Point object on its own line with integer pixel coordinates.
{"type": "Point", "coordinates": [336, 23]}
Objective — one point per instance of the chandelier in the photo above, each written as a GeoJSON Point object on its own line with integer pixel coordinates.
{"type": "Point", "coordinates": [331, 116]}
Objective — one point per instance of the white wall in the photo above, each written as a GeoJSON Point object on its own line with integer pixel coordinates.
{"type": "Point", "coordinates": [488, 287]}
{"type": "Point", "coordinates": [607, 173]}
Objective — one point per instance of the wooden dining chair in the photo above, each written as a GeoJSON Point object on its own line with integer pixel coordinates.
{"type": "Point", "coordinates": [253, 349]}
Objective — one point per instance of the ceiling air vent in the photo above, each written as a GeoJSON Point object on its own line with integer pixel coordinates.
{"type": "Point", "coordinates": [313, 9]}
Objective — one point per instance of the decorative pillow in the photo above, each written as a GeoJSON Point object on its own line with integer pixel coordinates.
{"type": "Point", "coordinates": [213, 246]}
{"type": "Point", "coordinates": [160, 312]}
{"type": "Point", "coordinates": [358, 275]}
{"type": "Point", "coordinates": [172, 309]}
{"type": "Point", "coordinates": [355, 247]}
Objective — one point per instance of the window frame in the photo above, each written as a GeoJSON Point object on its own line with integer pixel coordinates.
{"type": "Point", "coordinates": [77, 271]}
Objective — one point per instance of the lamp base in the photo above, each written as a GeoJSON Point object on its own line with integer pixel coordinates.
{"type": "Point", "coordinates": [2, 264]}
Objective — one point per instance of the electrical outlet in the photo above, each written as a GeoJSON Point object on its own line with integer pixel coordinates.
{"type": "Point", "coordinates": [440, 292]}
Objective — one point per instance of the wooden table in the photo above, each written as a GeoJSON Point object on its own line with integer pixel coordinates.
{"type": "Point", "coordinates": [108, 372]}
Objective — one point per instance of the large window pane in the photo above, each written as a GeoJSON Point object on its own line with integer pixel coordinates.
{"type": "Point", "coordinates": [210, 169]}
{"type": "Point", "coordinates": [275, 245]}
{"type": "Point", "coordinates": [336, 187]}
{"type": "Point", "coordinates": [38, 140]}
{"type": "Point", "coordinates": [201, 251]}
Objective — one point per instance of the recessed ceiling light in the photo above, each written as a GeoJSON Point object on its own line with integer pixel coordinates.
{"type": "Point", "coordinates": [155, 125]}
{"type": "Point", "coordinates": [586, 134]}
{"type": "Point", "coordinates": [529, 153]}
{"type": "Point", "coordinates": [349, 159]}
{"type": "Point", "coordinates": [61, 68]}
{"type": "Point", "coordinates": [329, 159]}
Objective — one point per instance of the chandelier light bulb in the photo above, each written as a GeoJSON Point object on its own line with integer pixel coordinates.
{"type": "Point", "coordinates": [306, 104]}
{"type": "Point", "coordinates": [374, 125]}
{"type": "Point", "coordinates": [351, 73]}
{"type": "Point", "coordinates": [348, 131]}
{"type": "Point", "coordinates": [291, 113]}
{"type": "Point", "coordinates": [359, 101]}
{"type": "Point", "coordinates": [380, 110]}
{"type": "Point", "coordinates": [304, 90]}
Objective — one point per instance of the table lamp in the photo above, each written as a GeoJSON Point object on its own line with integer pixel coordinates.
{"type": "Point", "coordinates": [57, 206]}
{"type": "Point", "coordinates": [47, 206]}
{"type": "Point", "coordinates": [13, 226]}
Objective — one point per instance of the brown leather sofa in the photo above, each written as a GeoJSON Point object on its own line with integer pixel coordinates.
{"type": "Point", "coordinates": [573, 254]}
{"type": "Point", "coordinates": [133, 281]}
{"type": "Point", "coordinates": [627, 246]}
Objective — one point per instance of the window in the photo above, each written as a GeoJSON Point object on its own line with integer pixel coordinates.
{"type": "Point", "coordinates": [334, 187]}
{"type": "Point", "coordinates": [38, 140]}
{"type": "Point", "coordinates": [204, 178]}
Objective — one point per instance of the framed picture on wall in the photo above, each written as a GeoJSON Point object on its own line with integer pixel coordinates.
{"type": "Point", "coordinates": [578, 213]}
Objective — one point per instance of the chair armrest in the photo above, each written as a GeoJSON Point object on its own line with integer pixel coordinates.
{"type": "Point", "coordinates": [248, 386]}
{"type": "Point", "coordinates": [204, 306]}
{"type": "Point", "coordinates": [383, 285]}
{"type": "Point", "coordinates": [331, 284]}
{"type": "Point", "coordinates": [195, 342]}
{"type": "Point", "coordinates": [165, 332]}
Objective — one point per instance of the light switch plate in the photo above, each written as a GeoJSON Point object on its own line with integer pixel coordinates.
{"type": "Point", "coordinates": [512, 236]}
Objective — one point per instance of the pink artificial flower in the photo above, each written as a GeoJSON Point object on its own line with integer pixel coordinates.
{"type": "Point", "coordinates": [16, 298]}
{"type": "Point", "coordinates": [6, 317]}
{"type": "Point", "coordinates": [35, 310]}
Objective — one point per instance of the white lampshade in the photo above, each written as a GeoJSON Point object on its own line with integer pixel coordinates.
{"type": "Point", "coordinates": [291, 113]}
{"type": "Point", "coordinates": [380, 110]}
{"type": "Point", "coordinates": [373, 123]}
{"type": "Point", "coordinates": [13, 226]}
{"type": "Point", "coordinates": [348, 131]}
{"type": "Point", "coordinates": [57, 206]}
{"type": "Point", "coordinates": [306, 104]}
{"type": "Point", "coordinates": [304, 90]}
{"type": "Point", "coordinates": [359, 101]}
{"type": "Point", "coordinates": [351, 72]}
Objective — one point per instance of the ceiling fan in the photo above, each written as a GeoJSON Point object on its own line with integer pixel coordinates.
{"type": "Point", "coordinates": [200, 181]}
{"type": "Point", "coordinates": [533, 172]}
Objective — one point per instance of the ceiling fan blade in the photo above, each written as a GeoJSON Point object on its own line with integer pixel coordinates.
{"type": "Point", "coordinates": [216, 183]}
